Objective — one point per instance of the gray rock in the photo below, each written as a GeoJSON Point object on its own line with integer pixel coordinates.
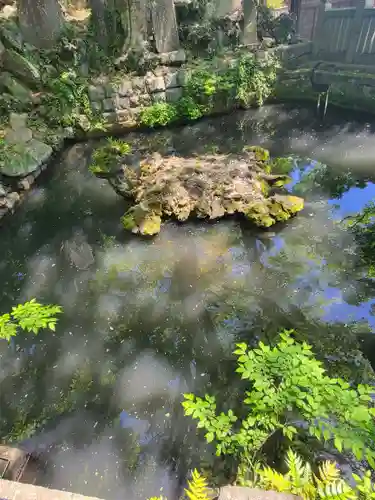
{"type": "Point", "coordinates": [134, 100]}
{"type": "Point", "coordinates": [96, 106]}
{"type": "Point", "coordinates": [18, 136]}
{"type": "Point", "coordinates": [156, 84]}
{"type": "Point", "coordinates": [171, 80]}
{"type": "Point", "coordinates": [125, 88]}
{"type": "Point", "coordinates": [12, 39]}
{"type": "Point", "coordinates": [24, 184]}
{"type": "Point", "coordinates": [96, 93]}
{"type": "Point", "coordinates": [17, 120]}
{"type": "Point", "coordinates": [12, 199]}
{"type": "Point", "coordinates": [108, 104]}
{"type": "Point", "coordinates": [122, 102]}
{"type": "Point", "coordinates": [3, 191]}
{"type": "Point", "coordinates": [14, 87]}
{"type": "Point", "coordinates": [21, 67]}
{"type": "Point", "coordinates": [241, 493]}
{"type": "Point", "coordinates": [2, 50]}
{"type": "Point", "coordinates": [173, 95]}
{"type": "Point", "coordinates": [109, 90]}
{"type": "Point", "coordinates": [182, 77]}
{"type": "Point", "coordinates": [110, 117]}
{"type": "Point", "coordinates": [177, 57]}
{"type": "Point", "coordinates": [25, 159]}
{"type": "Point", "coordinates": [139, 84]}
{"type": "Point", "coordinates": [159, 97]}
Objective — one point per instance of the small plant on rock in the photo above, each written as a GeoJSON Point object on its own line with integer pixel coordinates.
{"type": "Point", "coordinates": [106, 157]}
{"type": "Point", "coordinates": [290, 396]}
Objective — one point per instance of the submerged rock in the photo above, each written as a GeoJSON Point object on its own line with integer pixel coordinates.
{"type": "Point", "coordinates": [209, 186]}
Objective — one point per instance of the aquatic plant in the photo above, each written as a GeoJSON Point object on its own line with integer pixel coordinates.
{"type": "Point", "coordinates": [289, 396]}
{"type": "Point", "coordinates": [30, 317]}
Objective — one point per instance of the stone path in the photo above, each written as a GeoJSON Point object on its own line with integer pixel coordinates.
{"type": "Point", "coordinates": [10, 490]}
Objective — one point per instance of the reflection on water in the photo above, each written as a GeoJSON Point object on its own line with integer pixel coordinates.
{"type": "Point", "coordinates": [145, 320]}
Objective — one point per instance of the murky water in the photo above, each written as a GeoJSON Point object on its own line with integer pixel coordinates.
{"type": "Point", "coordinates": [145, 321]}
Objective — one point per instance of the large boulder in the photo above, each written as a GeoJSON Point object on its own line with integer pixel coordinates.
{"type": "Point", "coordinates": [209, 186]}
{"type": "Point", "coordinates": [24, 158]}
{"type": "Point", "coordinates": [21, 67]}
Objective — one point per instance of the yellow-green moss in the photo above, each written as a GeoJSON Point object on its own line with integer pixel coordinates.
{"type": "Point", "coordinates": [128, 221]}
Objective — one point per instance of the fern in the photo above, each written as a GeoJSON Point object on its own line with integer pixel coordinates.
{"type": "Point", "coordinates": [198, 487]}
{"type": "Point", "coordinates": [326, 485]}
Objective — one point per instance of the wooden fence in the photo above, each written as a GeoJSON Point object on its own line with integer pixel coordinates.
{"type": "Point", "coordinates": [345, 35]}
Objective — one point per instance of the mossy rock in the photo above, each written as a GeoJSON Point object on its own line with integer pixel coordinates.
{"type": "Point", "coordinates": [21, 67]}
{"type": "Point", "coordinates": [206, 187]}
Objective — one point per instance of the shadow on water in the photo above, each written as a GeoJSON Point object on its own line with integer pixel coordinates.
{"type": "Point", "coordinates": [145, 320]}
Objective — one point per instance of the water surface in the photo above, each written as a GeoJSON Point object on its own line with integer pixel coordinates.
{"type": "Point", "coordinates": [146, 320]}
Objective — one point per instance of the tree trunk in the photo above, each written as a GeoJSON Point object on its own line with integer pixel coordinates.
{"type": "Point", "coordinates": [41, 21]}
{"type": "Point", "coordinates": [249, 35]}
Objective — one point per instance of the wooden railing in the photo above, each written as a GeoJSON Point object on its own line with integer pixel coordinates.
{"type": "Point", "coordinates": [346, 34]}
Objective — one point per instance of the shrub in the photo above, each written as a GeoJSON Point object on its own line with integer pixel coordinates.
{"type": "Point", "coordinates": [289, 394]}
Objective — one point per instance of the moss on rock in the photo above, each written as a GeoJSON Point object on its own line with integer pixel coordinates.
{"type": "Point", "coordinates": [207, 186]}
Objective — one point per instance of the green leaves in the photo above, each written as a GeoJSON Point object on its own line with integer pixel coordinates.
{"type": "Point", "coordinates": [285, 380]}
{"type": "Point", "coordinates": [31, 317]}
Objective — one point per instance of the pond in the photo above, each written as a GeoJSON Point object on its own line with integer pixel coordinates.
{"type": "Point", "coordinates": [146, 320]}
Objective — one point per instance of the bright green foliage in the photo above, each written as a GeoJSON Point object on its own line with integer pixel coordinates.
{"type": "Point", "coordinates": [68, 104]}
{"type": "Point", "coordinates": [106, 157]}
{"type": "Point", "coordinates": [31, 317]}
{"type": "Point", "coordinates": [326, 484]}
{"type": "Point", "coordinates": [255, 79]}
{"type": "Point", "coordinates": [198, 488]}
{"type": "Point", "coordinates": [249, 82]}
{"type": "Point", "coordinates": [159, 114]}
{"type": "Point", "coordinates": [288, 385]}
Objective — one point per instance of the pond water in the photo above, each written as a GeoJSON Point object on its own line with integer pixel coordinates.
{"type": "Point", "coordinates": [146, 320]}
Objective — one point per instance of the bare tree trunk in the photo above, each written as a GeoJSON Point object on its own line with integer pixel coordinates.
{"type": "Point", "coordinates": [249, 35]}
{"type": "Point", "coordinates": [41, 21]}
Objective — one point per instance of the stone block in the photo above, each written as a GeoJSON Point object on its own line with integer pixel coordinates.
{"type": "Point", "coordinates": [174, 94]}
{"type": "Point", "coordinates": [96, 106]}
{"type": "Point", "coordinates": [126, 118]}
{"type": "Point", "coordinates": [96, 93]}
{"type": "Point", "coordinates": [176, 57]}
{"type": "Point", "coordinates": [110, 117]}
{"type": "Point", "coordinates": [242, 493]}
{"type": "Point", "coordinates": [155, 84]}
{"type": "Point", "coordinates": [122, 102]}
{"type": "Point", "coordinates": [145, 99]}
{"type": "Point", "coordinates": [109, 90]}
{"type": "Point", "coordinates": [139, 84]}
{"type": "Point", "coordinates": [15, 88]}
{"type": "Point", "coordinates": [171, 80]}
{"type": "Point", "coordinates": [17, 120]}
{"type": "Point", "coordinates": [159, 97]}
{"type": "Point", "coordinates": [12, 199]}
{"type": "Point", "coordinates": [182, 77]}
{"type": "Point", "coordinates": [134, 100]}
{"type": "Point", "coordinates": [108, 104]}
{"type": "Point", "coordinates": [125, 88]}
{"type": "Point", "coordinates": [18, 136]}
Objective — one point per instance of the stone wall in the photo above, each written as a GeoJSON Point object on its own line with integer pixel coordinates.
{"type": "Point", "coordinates": [122, 100]}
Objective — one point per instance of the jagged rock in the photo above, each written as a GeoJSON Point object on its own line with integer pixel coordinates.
{"type": "Point", "coordinates": [209, 186]}
{"type": "Point", "coordinates": [21, 67]}
{"type": "Point", "coordinates": [18, 136]}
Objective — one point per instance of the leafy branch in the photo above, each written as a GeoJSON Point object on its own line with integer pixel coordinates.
{"type": "Point", "coordinates": [30, 317]}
